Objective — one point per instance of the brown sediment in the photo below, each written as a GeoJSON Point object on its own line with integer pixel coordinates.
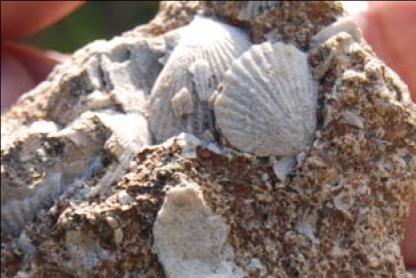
{"type": "Point", "coordinates": [339, 213]}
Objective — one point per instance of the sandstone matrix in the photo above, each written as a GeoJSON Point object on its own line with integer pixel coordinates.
{"type": "Point", "coordinates": [86, 192]}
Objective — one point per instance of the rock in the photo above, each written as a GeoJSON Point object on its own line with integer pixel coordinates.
{"type": "Point", "coordinates": [189, 238]}
{"type": "Point", "coordinates": [86, 193]}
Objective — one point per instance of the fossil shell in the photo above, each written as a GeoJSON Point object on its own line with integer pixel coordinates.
{"type": "Point", "coordinates": [267, 105]}
{"type": "Point", "coordinates": [129, 134]}
{"type": "Point", "coordinates": [282, 167]}
{"type": "Point", "coordinates": [204, 52]}
{"type": "Point", "coordinates": [118, 73]}
{"type": "Point", "coordinates": [253, 9]}
{"type": "Point", "coordinates": [245, 11]}
{"type": "Point", "coordinates": [46, 162]}
{"type": "Point", "coordinates": [171, 40]}
{"type": "Point", "coordinates": [22, 132]}
{"type": "Point", "coordinates": [343, 24]}
{"type": "Point", "coordinates": [182, 103]}
{"type": "Point", "coordinates": [189, 238]}
{"type": "Point", "coordinates": [131, 70]}
{"type": "Point", "coordinates": [39, 168]}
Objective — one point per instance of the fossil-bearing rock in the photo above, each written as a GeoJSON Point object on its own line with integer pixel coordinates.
{"type": "Point", "coordinates": [87, 192]}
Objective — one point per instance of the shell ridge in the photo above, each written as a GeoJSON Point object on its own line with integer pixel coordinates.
{"type": "Point", "coordinates": [263, 86]}
{"type": "Point", "coordinates": [204, 38]}
{"type": "Point", "coordinates": [274, 96]}
{"type": "Point", "coordinates": [284, 81]}
{"type": "Point", "coordinates": [267, 102]}
{"type": "Point", "coordinates": [297, 85]}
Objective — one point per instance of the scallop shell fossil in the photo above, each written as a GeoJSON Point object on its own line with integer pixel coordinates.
{"type": "Point", "coordinates": [248, 11]}
{"type": "Point", "coordinates": [267, 105]}
{"type": "Point", "coordinates": [179, 98]}
{"type": "Point", "coordinates": [254, 9]}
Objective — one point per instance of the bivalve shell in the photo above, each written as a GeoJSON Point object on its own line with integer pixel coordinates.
{"type": "Point", "coordinates": [253, 9]}
{"type": "Point", "coordinates": [267, 104]}
{"type": "Point", "coordinates": [204, 52]}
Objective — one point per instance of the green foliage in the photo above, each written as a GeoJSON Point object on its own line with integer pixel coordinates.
{"type": "Point", "coordinates": [94, 20]}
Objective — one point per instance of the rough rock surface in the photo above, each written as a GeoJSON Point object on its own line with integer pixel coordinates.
{"type": "Point", "coordinates": [85, 194]}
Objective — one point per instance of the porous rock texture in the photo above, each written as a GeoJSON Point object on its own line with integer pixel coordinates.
{"type": "Point", "coordinates": [84, 194]}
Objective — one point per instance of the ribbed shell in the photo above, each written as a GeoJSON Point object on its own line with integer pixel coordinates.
{"type": "Point", "coordinates": [255, 8]}
{"type": "Point", "coordinates": [197, 64]}
{"type": "Point", "coordinates": [245, 11]}
{"type": "Point", "coordinates": [129, 134]}
{"type": "Point", "coordinates": [83, 143]}
{"type": "Point", "coordinates": [267, 105]}
{"type": "Point", "coordinates": [343, 24]}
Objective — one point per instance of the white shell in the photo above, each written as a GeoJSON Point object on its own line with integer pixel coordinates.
{"type": "Point", "coordinates": [204, 82]}
{"type": "Point", "coordinates": [246, 11]}
{"type": "Point", "coordinates": [117, 74]}
{"type": "Point", "coordinates": [82, 145]}
{"type": "Point", "coordinates": [282, 167]}
{"type": "Point", "coordinates": [47, 165]}
{"type": "Point", "coordinates": [16, 213]}
{"type": "Point", "coordinates": [255, 8]}
{"type": "Point", "coordinates": [131, 70]}
{"type": "Point", "coordinates": [182, 103]}
{"type": "Point", "coordinates": [267, 105]}
{"type": "Point", "coordinates": [171, 40]}
{"type": "Point", "coordinates": [204, 52]}
{"type": "Point", "coordinates": [353, 118]}
{"type": "Point", "coordinates": [189, 239]}
{"type": "Point", "coordinates": [129, 134]}
{"type": "Point", "coordinates": [343, 24]}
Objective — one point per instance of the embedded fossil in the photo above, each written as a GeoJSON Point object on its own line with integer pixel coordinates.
{"type": "Point", "coordinates": [240, 190]}
{"type": "Point", "coordinates": [36, 170]}
{"type": "Point", "coordinates": [116, 88]}
{"type": "Point", "coordinates": [189, 237]}
{"type": "Point", "coordinates": [246, 11]}
{"type": "Point", "coordinates": [45, 162]}
{"type": "Point", "coordinates": [343, 24]}
{"type": "Point", "coordinates": [267, 105]}
{"type": "Point", "coordinates": [205, 50]}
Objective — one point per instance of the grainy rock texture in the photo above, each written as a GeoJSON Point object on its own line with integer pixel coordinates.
{"type": "Point", "coordinates": [85, 193]}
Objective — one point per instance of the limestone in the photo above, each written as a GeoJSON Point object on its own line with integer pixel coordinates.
{"type": "Point", "coordinates": [189, 238]}
{"type": "Point", "coordinates": [114, 204]}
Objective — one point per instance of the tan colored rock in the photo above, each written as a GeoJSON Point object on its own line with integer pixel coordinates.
{"type": "Point", "coordinates": [190, 238]}
{"type": "Point", "coordinates": [109, 203]}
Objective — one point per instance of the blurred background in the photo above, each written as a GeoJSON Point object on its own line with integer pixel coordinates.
{"type": "Point", "coordinates": [94, 20]}
{"type": "Point", "coordinates": [23, 66]}
{"type": "Point", "coordinates": [105, 19]}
